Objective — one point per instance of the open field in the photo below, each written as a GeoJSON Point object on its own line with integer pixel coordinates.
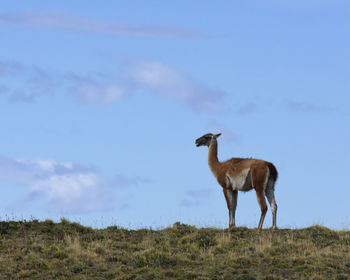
{"type": "Point", "coordinates": [65, 250]}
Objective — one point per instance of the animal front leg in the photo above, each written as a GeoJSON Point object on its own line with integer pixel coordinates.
{"type": "Point", "coordinates": [233, 208]}
{"type": "Point", "coordinates": [231, 200]}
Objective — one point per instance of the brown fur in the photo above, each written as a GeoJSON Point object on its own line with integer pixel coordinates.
{"type": "Point", "coordinates": [258, 170]}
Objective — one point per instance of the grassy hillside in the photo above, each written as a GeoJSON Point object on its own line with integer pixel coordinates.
{"type": "Point", "coordinates": [47, 250]}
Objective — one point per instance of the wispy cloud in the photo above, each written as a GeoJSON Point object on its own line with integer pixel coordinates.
{"type": "Point", "coordinates": [76, 23]}
{"type": "Point", "coordinates": [8, 67]}
{"type": "Point", "coordinates": [65, 186]}
{"type": "Point", "coordinates": [154, 77]}
{"type": "Point", "coordinates": [228, 135]}
{"type": "Point", "coordinates": [41, 80]}
{"type": "Point", "coordinates": [195, 198]}
{"type": "Point", "coordinates": [3, 90]}
{"type": "Point", "coordinates": [247, 109]}
{"type": "Point", "coordinates": [306, 107]}
{"type": "Point", "coordinates": [21, 83]}
{"type": "Point", "coordinates": [123, 181]}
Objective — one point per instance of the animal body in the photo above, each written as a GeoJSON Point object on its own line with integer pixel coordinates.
{"type": "Point", "coordinates": [242, 174]}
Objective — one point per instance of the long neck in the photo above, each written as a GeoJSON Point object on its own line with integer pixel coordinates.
{"type": "Point", "coordinates": [213, 161]}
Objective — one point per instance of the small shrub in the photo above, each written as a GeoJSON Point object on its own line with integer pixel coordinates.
{"type": "Point", "coordinates": [183, 228]}
{"type": "Point", "coordinates": [341, 277]}
{"type": "Point", "coordinates": [205, 239]}
{"type": "Point", "coordinates": [77, 268]}
{"type": "Point", "coordinates": [322, 236]}
{"type": "Point", "coordinates": [4, 227]}
{"type": "Point", "coordinates": [202, 239]}
{"type": "Point", "coordinates": [57, 252]}
{"type": "Point", "coordinates": [245, 277]}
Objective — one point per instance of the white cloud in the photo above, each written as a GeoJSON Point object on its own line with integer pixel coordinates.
{"type": "Point", "coordinates": [113, 93]}
{"type": "Point", "coordinates": [63, 21]}
{"type": "Point", "coordinates": [44, 165]}
{"type": "Point", "coordinates": [164, 80]}
{"type": "Point", "coordinates": [68, 187]}
{"type": "Point", "coordinates": [88, 90]}
{"type": "Point", "coordinates": [65, 187]}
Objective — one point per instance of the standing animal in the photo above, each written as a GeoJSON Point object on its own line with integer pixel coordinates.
{"type": "Point", "coordinates": [242, 174]}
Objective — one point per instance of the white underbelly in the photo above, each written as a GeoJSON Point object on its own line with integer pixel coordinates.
{"type": "Point", "coordinates": [241, 182]}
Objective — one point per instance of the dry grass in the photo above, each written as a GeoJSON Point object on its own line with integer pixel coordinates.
{"type": "Point", "coordinates": [47, 250]}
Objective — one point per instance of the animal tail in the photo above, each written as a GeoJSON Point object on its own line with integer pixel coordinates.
{"type": "Point", "coordinates": [273, 171]}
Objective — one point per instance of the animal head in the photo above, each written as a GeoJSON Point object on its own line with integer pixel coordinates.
{"type": "Point", "coordinates": [205, 140]}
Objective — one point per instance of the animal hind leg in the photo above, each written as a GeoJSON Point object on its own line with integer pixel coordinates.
{"type": "Point", "coordinates": [262, 202]}
{"type": "Point", "coordinates": [269, 192]}
{"type": "Point", "coordinates": [259, 180]}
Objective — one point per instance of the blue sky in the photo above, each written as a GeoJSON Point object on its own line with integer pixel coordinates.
{"type": "Point", "coordinates": [101, 104]}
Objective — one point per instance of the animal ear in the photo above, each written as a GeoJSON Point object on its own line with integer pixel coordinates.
{"type": "Point", "coordinates": [217, 135]}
